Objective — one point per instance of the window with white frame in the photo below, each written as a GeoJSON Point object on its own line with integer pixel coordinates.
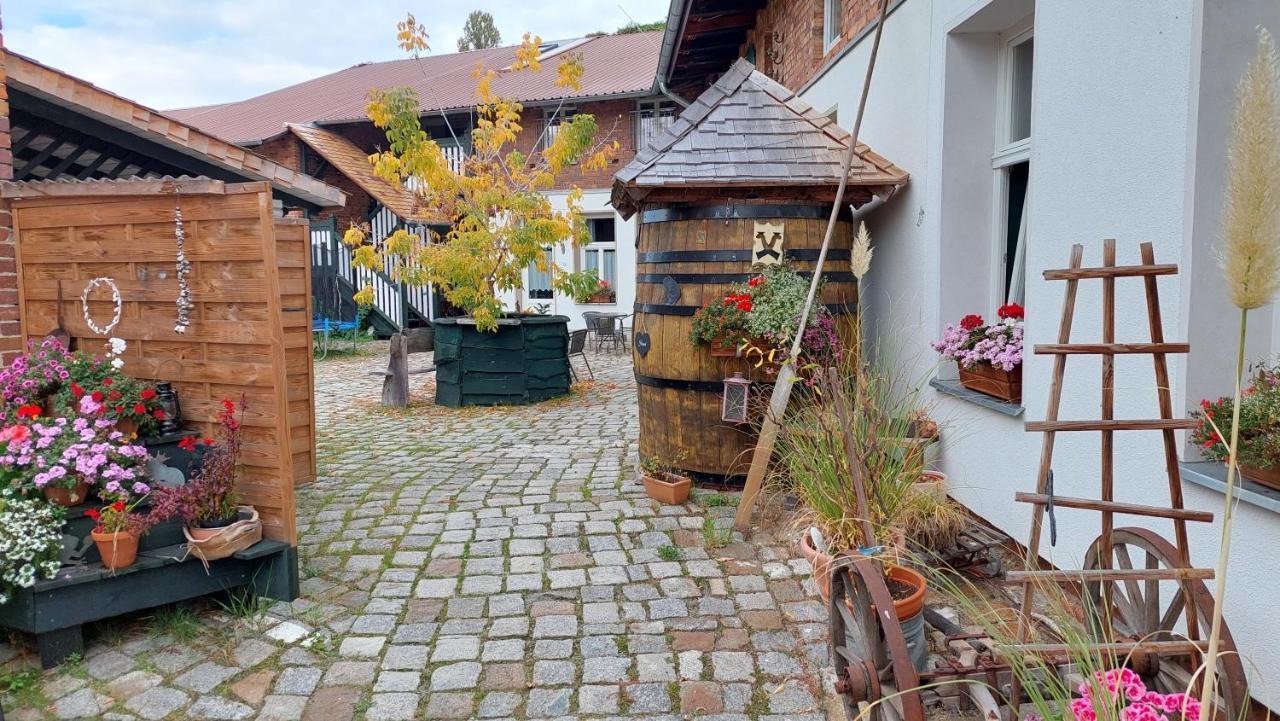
{"type": "Point", "coordinates": [831, 14]}
{"type": "Point", "coordinates": [539, 285]}
{"type": "Point", "coordinates": [601, 254]}
{"type": "Point", "coordinates": [653, 117]}
{"type": "Point", "coordinates": [1011, 162]}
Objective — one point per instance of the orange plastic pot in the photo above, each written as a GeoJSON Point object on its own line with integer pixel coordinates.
{"type": "Point", "coordinates": [821, 562]}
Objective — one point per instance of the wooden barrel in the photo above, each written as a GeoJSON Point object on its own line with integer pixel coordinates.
{"type": "Point", "coordinates": [687, 256]}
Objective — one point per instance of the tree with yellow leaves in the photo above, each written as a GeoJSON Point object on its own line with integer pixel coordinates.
{"type": "Point", "coordinates": [503, 221]}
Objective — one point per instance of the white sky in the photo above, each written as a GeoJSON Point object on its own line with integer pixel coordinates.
{"type": "Point", "coordinates": [178, 53]}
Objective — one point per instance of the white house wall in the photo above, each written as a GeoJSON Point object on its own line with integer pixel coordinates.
{"type": "Point", "coordinates": [1124, 112]}
{"type": "Point", "coordinates": [594, 204]}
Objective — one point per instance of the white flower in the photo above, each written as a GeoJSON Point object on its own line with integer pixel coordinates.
{"type": "Point", "coordinates": [118, 345]}
{"type": "Point", "coordinates": [117, 363]}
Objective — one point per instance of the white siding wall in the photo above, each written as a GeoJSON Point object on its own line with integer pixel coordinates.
{"type": "Point", "coordinates": [1124, 112]}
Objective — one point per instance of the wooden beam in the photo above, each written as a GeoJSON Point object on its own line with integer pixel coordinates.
{"type": "Point", "coordinates": [28, 166]}
{"type": "Point", "coordinates": [1110, 348]}
{"type": "Point", "coordinates": [1111, 574]}
{"type": "Point", "coordinates": [1132, 509]}
{"type": "Point", "coordinates": [1116, 271]}
{"type": "Point", "coordinates": [1155, 424]}
{"type": "Point", "coordinates": [191, 186]}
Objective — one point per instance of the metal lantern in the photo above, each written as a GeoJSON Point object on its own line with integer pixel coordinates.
{"type": "Point", "coordinates": [168, 398]}
{"type": "Point", "coordinates": [737, 392]}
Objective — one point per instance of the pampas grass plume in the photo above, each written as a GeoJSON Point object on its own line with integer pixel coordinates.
{"type": "Point", "coordinates": [860, 259]}
{"type": "Point", "coordinates": [1250, 255]}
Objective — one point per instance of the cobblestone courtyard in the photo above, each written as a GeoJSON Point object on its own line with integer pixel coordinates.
{"type": "Point", "coordinates": [483, 563]}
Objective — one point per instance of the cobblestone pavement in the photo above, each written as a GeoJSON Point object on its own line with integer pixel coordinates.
{"type": "Point", "coordinates": [482, 563]}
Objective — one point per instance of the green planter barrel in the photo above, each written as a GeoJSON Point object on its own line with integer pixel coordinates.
{"type": "Point", "coordinates": [525, 361]}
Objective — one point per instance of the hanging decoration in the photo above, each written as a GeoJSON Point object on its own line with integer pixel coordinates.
{"type": "Point", "coordinates": [184, 270]}
{"type": "Point", "coordinates": [84, 305]}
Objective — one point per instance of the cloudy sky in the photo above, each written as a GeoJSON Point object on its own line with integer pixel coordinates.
{"type": "Point", "coordinates": [178, 53]}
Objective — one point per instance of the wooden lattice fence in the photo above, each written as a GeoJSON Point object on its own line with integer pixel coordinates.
{"type": "Point", "coordinates": [250, 286]}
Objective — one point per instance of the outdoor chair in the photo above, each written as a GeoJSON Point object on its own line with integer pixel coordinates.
{"type": "Point", "coordinates": [590, 318]}
{"type": "Point", "coordinates": [609, 328]}
{"type": "Point", "coordinates": [577, 347]}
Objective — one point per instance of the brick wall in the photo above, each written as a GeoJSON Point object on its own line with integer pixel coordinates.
{"type": "Point", "coordinates": [797, 28]}
{"type": "Point", "coordinates": [10, 342]}
{"type": "Point", "coordinates": [287, 150]}
{"type": "Point", "coordinates": [614, 120]}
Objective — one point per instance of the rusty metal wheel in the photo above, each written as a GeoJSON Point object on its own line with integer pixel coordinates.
{"type": "Point", "coordinates": [1156, 611]}
{"type": "Point", "coordinates": [872, 663]}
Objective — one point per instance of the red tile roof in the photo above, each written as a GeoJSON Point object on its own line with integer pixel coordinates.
{"type": "Point", "coordinates": [615, 65]}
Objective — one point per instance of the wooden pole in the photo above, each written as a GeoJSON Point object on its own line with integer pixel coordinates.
{"type": "Point", "coordinates": [786, 375]}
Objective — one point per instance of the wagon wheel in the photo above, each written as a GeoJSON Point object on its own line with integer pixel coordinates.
{"type": "Point", "coordinates": [1156, 611]}
{"type": "Point", "coordinates": [867, 648]}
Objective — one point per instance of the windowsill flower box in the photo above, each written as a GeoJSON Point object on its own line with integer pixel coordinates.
{"type": "Point", "coordinates": [989, 356]}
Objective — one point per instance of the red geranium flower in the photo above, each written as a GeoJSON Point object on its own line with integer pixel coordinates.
{"type": "Point", "coordinates": [107, 381]}
{"type": "Point", "coordinates": [118, 506]}
{"type": "Point", "coordinates": [745, 305]}
{"type": "Point", "coordinates": [187, 444]}
{"type": "Point", "coordinates": [1011, 310]}
{"type": "Point", "coordinates": [113, 396]}
{"type": "Point", "coordinates": [207, 441]}
{"type": "Point", "coordinates": [228, 404]}
{"type": "Point", "coordinates": [97, 396]}
{"type": "Point", "coordinates": [119, 409]}
{"type": "Point", "coordinates": [31, 410]}
{"type": "Point", "coordinates": [94, 513]}
{"type": "Point", "coordinates": [147, 394]}
{"type": "Point", "coordinates": [76, 390]}
{"type": "Point", "coordinates": [158, 413]}
{"type": "Point", "coordinates": [971, 321]}
{"type": "Point", "coordinates": [756, 281]}
{"type": "Point", "coordinates": [139, 408]}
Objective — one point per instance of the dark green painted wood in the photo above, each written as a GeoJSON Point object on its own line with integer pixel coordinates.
{"type": "Point", "coordinates": [525, 361]}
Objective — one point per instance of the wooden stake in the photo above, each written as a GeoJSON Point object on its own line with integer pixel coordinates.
{"type": "Point", "coordinates": [786, 375]}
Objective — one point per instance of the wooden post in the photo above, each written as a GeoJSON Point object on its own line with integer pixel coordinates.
{"type": "Point", "coordinates": [786, 375]}
{"type": "Point", "coordinates": [395, 385]}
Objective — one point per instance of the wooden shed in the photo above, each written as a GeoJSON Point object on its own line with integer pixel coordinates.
{"type": "Point", "coordinates": [744, 176]}
{"type": "Point", "coordinates": [249, 334]}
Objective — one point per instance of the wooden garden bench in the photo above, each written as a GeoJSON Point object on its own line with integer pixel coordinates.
{"type": "Point", "coordinates": [395, 379]}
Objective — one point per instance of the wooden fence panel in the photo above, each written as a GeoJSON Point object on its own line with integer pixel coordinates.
{"type": "Point", "coordinates": [250, 286]}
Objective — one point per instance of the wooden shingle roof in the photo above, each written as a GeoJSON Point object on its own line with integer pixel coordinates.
{"type": "Point", "coordinates": [747, 131]}
{"type": "Point", "coordinates": [354, 163]}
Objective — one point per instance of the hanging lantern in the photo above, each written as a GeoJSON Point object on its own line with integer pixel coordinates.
{"type": "Point", "coordinates": [737, 392]}
{"type": "Point", "coordinates": [168, 398]}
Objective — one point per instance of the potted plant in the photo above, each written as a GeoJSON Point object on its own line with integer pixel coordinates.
{"type": "Point", "coordinates": [215, 523]}
{"type": "Point", "coordinates": [116, 533]}
{"type": "Point", "coordinates": [989, 357]}
{"type": "Point", "coordinates": [31, 536]}
{"type": "Point", "coordinates": [663, 482]}
{"type": "Point", "coordinates": [586, 286]}
{"type": "Point", "coordinates": [133, 404]}
{"type": "Point", "coordinates": [502, 223]}
{"type": "Point", "coordinates": [1259, 436]}
{"type": "Point", "coordinates": [841, 451]}
{"type": "Point", "coordinates": [29, 379]}
{"type": "Point", "coordinates": [721, 324]}
{"type": "Point", "coordinates": [62, 457]}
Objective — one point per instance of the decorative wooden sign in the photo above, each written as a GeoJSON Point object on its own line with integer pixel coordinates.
{"type": "Point", "coordinates": [767, 243]}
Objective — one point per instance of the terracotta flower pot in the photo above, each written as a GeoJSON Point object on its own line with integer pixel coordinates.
{"type": "Point", "coordinates": [821, 562]}
{"type": "Point", "coordinates": [127, 426]}
{"type": "Point", "coordinates": [209, 529]}
{"type": "Point", "coordinates": [67, 497]}
{"type": "Point", "coordinates": [669, 489]}
{"type": "Point", "coordinates": [118, 550]}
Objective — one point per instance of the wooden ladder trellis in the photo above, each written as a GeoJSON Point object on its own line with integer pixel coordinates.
{"type": "Point", "coordinates": [1108, 425]}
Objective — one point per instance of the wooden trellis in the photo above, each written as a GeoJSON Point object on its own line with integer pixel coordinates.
{"type": "Point", "coordinates": [249, 333]}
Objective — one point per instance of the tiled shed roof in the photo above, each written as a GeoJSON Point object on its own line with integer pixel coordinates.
{"type": "Point", "coordinates": [749, 131]}
{"type": "Point", "coordinates": [614, 65]}
{"type": "Point", "coordinates": [83, 97]}
{"type": "Point", "coordinates": [354, 163]}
